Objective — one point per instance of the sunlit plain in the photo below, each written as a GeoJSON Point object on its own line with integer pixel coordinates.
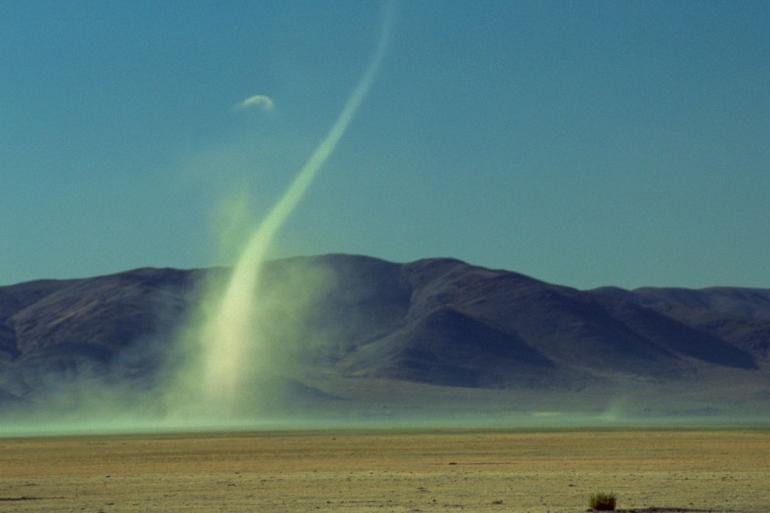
{"type": "Point", "coordinates": [356, 472]}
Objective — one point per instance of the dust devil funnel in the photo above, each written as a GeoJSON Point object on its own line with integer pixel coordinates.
{"type": "Point", "coordinates": [230, 342]}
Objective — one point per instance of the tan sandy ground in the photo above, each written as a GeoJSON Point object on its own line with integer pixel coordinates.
{"type": "Point", "coordinates": [386, 472]}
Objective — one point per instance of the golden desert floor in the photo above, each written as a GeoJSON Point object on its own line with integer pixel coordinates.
{"type": "Point", "coordinates": [353, 472]}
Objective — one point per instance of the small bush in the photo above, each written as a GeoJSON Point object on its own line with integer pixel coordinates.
{"type": "Point", "coordinates": [602, 501]}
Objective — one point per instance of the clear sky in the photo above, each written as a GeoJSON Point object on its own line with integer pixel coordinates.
{"type": "Point", "coordinates": [585, 143]}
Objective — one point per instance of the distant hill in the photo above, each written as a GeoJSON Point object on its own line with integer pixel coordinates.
{"type": "Point", "coordinates": [361, 320]}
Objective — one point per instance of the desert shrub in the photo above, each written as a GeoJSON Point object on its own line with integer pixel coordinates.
{"type": "Point", "coordinates": [602, 501]}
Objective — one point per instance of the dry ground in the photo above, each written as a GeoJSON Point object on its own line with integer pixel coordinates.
{"type": "Point", "coordinates": [352, 472]}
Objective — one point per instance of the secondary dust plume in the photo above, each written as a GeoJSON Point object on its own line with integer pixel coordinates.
{"type": "Point", "coordinates": [229, 339]}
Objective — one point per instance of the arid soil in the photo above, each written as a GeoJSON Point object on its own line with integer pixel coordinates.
{"type": "Point", "coordinates": [354, 472]}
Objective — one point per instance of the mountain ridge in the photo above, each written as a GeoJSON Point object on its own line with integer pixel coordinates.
{"type": "Point", "coordinates": [437, 321]}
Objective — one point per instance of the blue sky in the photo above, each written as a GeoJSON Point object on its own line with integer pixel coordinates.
{"type": "Point", "coordinates": [586, 143]}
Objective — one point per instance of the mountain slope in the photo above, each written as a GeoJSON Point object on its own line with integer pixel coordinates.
{"type": "Point", "coordinates": [435, 321]}
{"type": "Point", "coordinates": [738, 316]}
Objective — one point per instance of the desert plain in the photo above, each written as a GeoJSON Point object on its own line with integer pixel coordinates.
{"type": "Point", "coordinates": [387, 471]}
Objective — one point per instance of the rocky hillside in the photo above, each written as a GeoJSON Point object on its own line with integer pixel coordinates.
{"type": "Point", "coordinates": [433, 321]}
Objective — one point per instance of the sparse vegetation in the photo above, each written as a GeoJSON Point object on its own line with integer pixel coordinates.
{"type": "Point", "coordinates": [602, 501]}
{"type": "Point", "coordinates": [189, 473]}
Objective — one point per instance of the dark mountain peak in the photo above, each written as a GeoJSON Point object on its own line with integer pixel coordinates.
{"type": "Point", "coordinates": [333, 259]}
{"type": "Point", "coordinates": [437, 320]}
